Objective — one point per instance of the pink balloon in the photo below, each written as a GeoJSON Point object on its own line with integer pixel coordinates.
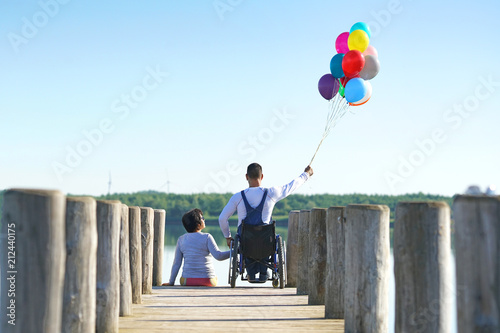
{"type": "Point", "coordinates": [341, 43]}
{"type": "Point", "coordinates": [370, 50]}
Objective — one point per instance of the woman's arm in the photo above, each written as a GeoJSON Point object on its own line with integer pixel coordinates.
{"type": "Point", "coordinates": [214, 249]}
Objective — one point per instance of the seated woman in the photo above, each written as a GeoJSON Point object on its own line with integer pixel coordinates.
{"type": "Point", "coordinates": [195, 248]}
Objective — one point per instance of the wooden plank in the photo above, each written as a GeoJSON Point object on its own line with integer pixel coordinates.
{"type": "Point", "coordinates": [220, 309]}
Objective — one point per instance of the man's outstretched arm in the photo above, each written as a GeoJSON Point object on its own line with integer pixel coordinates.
{"type": "Point", "coordinates": [282, 192]}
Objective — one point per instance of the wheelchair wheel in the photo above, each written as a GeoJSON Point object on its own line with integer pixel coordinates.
{"type": "Point", "coordinates": [233, 270]}
{"type": "Point", "coordinates": [230, 263]}
{"type": "Point", "coordinates": [284, 265]}
{"type": "Point", "coordinates": [281, 263]}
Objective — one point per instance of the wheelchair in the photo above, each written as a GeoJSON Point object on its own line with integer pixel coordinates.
{"type": "Point", "coordinates": [261, 244]}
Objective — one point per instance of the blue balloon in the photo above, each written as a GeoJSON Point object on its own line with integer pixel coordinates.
{"type": "Point", "coordinates": [355, 90]}
{"type": "Point", "coordinates": [362, 26]}
{"type": "Point", "coordinates": [336, 65]}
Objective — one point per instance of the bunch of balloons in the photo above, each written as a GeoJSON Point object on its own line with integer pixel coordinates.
{"type": "Point", "coordinates": [347, 85]}
{"type": "Point", "coordinates": [352, 67]}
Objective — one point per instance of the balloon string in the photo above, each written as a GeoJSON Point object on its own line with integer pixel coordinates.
{"type": "Point", "coordinates": [312, 159]}
{"type": "Point", "coordinates": [338, 108]}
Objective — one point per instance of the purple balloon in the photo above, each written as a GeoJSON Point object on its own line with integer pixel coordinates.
{"type": "Point", "coordinates": [328, 86]}
{"type": "Point", "coordinates": [341, 43]}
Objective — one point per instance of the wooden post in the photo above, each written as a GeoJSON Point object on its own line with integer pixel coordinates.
{"type": "Point", "coordinates": [125, 284]}
{"type": "Point", "coordinates": [158, 245]}
{"type": "Point", "coordinates": [422, 267]}
{"type": "Point", "coordinates": [147, 230]}
{"type": "Point", "coordinates": [477, 248]}
{"type": "Point", "coordinates": [108, 270]}
{"type": "Point", "coordinates": [292, 245]}
{"type": "Point", "coordinates": [79, 300]}
{"type": "Point", "coordinates": [33, 255]}
{"type": "Point", "coordinates": [317, 256]}
{"type": "Point", "coordinates": [367, 268]}
{"type": "Point", "coordinates": [303, 254]}
{"type": "Point", "coordinates": [335, 271]}
{"type": "Point", "coordinates": [135, 249]}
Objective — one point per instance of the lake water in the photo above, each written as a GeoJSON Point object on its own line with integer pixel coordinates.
{"type": "Point", "coordinates": [222, 271]}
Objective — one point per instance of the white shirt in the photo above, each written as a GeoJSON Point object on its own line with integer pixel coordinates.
{"type": "Point", "coordinates": [254, 196]}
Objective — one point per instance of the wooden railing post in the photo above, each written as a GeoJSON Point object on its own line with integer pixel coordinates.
{"type": "Point", "coordinates": [33, 255]}
{"type": "Point", "coordinates": [303, 254]}
{"type": "Point", "coordinates": [317, 256]}
{"type": "Point", "coordinates": [292, 245]}
{"type": "Point", "coordinates": [108, 270]}
{"type": "Point", "coordinates": [147, 234]}
{"type": "Point", "coordinates": [477, 248]}
{"type": "Point", "coordinates": [367, 268]}
{"type": "Point", "coordinates": [335, 268]}
{"type": "Point", "coordinates": [125, 283]}
{"type": "Point", "coordinates": [79, 300]}
{"type": "Point", "coordinates": [422, 267]}
{"type": "Point", "coordinates": [158, 245]}
{"type": "Point", "coordinates": [135, 249]}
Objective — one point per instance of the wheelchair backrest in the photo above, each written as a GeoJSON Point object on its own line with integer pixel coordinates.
{"type": "Point", "coordinates": [258, 241]}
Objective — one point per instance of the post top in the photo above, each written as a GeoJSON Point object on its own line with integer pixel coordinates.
{"type": "Point", "coordinates": [336, 208]}
{"type": "Point", "coordinates": [431, 204]}
{"type": "Point", "coordinates": [109, 202]}
{"type": "Point", "coordinates": [315, 209]}
{"type": "Point", "coordinates": [33, 191]}
{"type": "Point", "coordinates": [482, 197]}
{"type": "Point", "coordinates": [81, 199]}
{"type": "Point", "coordinates": [368, 207]}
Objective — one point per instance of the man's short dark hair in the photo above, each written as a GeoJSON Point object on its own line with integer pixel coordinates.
{"type": "Point", "coordinates": [254, 171]}
{"type": "Point", "coordinates": [192, 220]}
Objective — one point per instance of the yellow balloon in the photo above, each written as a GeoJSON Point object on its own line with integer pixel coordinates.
{"type": "Point", "coordinates": [358, 40]}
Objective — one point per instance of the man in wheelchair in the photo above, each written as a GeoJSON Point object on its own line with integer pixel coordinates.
{"type": "Point", "coordinates": [254, 206]}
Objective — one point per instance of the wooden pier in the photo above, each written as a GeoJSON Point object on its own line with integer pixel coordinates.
{"type": "Point", "coordinates": [219, 309]}
{"type": "Point", "coordinates": [63, 271]}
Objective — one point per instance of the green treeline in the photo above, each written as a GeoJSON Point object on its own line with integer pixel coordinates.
{"type": "Point", "coordinates": [213, 203]}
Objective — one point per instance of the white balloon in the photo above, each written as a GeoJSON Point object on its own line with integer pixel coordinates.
{"type": "Point", "coordinates": [371, 68]}
{"type": "Point", "coordinates": [367, 96]}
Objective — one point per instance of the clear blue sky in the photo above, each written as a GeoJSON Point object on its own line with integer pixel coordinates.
{"type": "Point", "coordinates": [191, 92]}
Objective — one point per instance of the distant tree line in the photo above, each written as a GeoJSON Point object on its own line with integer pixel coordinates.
{"type": "Point", "coordinates": [213, 203]}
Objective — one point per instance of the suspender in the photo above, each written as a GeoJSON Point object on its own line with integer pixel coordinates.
{"type": "Point", "coordinates": [259, 207]}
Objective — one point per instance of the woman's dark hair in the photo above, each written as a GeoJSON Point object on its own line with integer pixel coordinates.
{"type": "Point", "coordinates": [192, 220]}
{"type": "Point", "coordinates": [254, 171]}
